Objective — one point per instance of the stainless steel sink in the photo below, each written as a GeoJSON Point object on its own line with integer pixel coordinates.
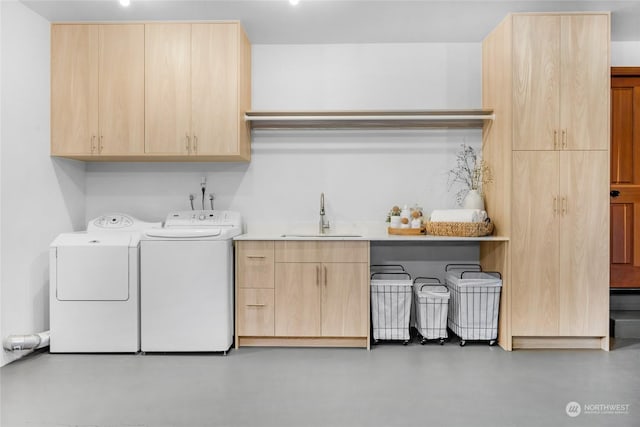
{"type": "Point", "coordinates": [314, 236]}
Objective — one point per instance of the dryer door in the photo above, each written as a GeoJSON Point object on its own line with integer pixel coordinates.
{"type": "Point", "coordinates": [93, 268]}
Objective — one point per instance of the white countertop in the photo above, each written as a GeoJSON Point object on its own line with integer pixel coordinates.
{"type": "Point", "coordinates": [366, 232]}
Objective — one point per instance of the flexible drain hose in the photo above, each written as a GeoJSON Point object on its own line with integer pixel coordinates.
{"type": "Point", "coordinates": [26, 342]}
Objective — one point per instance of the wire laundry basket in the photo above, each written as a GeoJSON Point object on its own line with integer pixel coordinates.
{"type": "Point", "coordinates": [391, 305]}
{"type": "Point", "coordinates": [431, 299]}
{"type": "Point", "coordinates": [475, 302]}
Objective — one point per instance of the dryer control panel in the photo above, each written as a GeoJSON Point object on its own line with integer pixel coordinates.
{"type": "Point", "coordinates": [119, 222]}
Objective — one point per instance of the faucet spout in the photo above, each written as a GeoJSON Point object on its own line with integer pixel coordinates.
{"type": "Point", "coordinates": [324, 223]}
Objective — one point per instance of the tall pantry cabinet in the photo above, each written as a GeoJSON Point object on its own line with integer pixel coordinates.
{"type": "Point", "coordinates": [547, 78]}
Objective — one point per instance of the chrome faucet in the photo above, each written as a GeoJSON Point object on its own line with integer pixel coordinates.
{"type": "Point", "coordinates": [324, 223]}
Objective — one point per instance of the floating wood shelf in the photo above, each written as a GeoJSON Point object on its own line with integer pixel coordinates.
{"type": "Point", "coordinates": [408, 119]}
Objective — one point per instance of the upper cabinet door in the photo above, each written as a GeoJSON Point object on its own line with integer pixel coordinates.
{"type": "Point", "coordinates": [167, 88]}
{"type": "Point", "coordinates": [536, 82]}
{"type": "Point", "coordinates": [585, 82]}
{"type": "Point", "coordinates": [214, 88]}
{"type": "Point", "coordinates": [121, 89]}
{"type": "Point", "coordinates": [74, 89]}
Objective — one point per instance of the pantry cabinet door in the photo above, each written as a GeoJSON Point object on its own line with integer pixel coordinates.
{"type": "Point", "coordinates": [121, 92]}
{"type": "Point", "coordinates": [297, 300]}
{"type": "Point", "coordinates": [214, 53]}
{"type": "Point", "coordinates": [585, 113]}
{"type": "Point", "coordinates": [536, 82]}
{"type": "Point", "coordinates": [345, 299]}
{"type": "Point", "coordinates": [584, 243]}
{"type": "Point", "coordinates": [535, 243]}
{"type": "Point", "coordinates": [74, 89]}
{"type": "Point", "coordinates": [167, 88]}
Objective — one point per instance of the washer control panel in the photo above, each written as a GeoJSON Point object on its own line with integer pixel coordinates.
{"type": "Point", "coordinates": [206, 218]}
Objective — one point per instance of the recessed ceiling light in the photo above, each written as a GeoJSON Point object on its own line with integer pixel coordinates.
{"type": "Point", "coordinates": [125, 3]}
{"type": "Point", "coordinates": [294, 2]}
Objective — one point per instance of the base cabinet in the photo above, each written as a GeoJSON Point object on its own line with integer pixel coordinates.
{"type": "Point", "coordinates": [302, 293]}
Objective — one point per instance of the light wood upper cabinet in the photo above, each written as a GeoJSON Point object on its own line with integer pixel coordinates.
{"type": "Point", "coordinates": [536, 81]}
{"type": "Point", "coordinates": [586, 81]}
{"type": "Point", "coordinates": [74, 89]}
{"type": "Point", "coordinates": [167, 88]}
{"type": "Point", "coordinates": [560, 82]}
{"type": "Point", "coordinates": [97, 89]}
{"type": "Point", "coordinates": [215, 79]}
{"type": "Point", "coordinates": [150, 92]}
{"type": "Point", "coordinates": [121, 90]}
{"type": "Point", "coordinates": [197, 89]}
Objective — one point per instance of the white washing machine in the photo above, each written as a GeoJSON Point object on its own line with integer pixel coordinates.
{"type": "Point", "coordinates": [187, 283]}
{"type": "Point", "coordinates": [94, 287]}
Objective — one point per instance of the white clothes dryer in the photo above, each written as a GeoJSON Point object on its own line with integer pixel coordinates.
{"type": "Point", "coordinates": [94, 287]}
{"type": "Point", "coordinates": [187, 283]}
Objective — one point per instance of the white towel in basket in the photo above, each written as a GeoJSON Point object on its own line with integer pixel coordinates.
{"type": "Point", "coordinates": [458, 215]}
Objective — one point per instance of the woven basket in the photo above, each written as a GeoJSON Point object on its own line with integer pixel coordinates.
{"type": "Point", "coordinates": [459, 229]}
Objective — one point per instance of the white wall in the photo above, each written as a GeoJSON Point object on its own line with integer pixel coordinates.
{"type": "Point", "coordinates": [363, 173]}
{"type": "Point", "coordinates": [41, 197]}
{"type": "Point", "coordinates": [625, 54]}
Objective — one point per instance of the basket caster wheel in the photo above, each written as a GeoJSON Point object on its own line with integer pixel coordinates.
{"type": "Point", "coordinates": [441, 341]}
{"type": "Point", "coordinates": [375, 342]}
{"type": "Point", "coordinates": [462, 343]}
{"type": "Point", "coordinates": [423, 341]}
{"type": "Point", "coordinates": [405, 342]}
{"type": "Point", "coordinates": [492, 343]}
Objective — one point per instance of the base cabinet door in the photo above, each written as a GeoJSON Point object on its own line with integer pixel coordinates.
{"type": "Point", "coordinates": [584, 243]}
{"type": "Point", "coordinates": [535, 294]}
{"type": "Point", "coordinates": [344, 300]}
{"type": "Point", "coordinates": [297, 299]}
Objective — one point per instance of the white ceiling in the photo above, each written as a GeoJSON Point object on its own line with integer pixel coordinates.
{"type": "Point", "coordinates": [344, 21]}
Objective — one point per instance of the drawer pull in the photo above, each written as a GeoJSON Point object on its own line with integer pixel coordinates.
{"type": "Point", "coordinates": [255, 305]}
{"type": "Point", "coordinates": [256, 256]}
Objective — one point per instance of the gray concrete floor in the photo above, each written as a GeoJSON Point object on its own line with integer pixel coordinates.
{"type": "Point", "coordinates": [391, 385]}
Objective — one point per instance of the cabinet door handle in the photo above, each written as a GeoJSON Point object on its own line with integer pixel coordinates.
{"type": "Point", "coordinates": [101, 146]}
{"type": "Point", "coordinates": [188, 143]}
{"type": "Point", "coordinates": [317, 275]}
{"type": "Point", "coordinates": [555, 205]}
{"type": "Point", "coordinates": [555, 139]}
{"type": "Point", "coordinates": [565, 206]}
{"type": "Point", "coordinates": [195, 144]}
{"type": "Point", "coordinates": [325, 275]}
{"type": "Point", "coordinates": [255, 305]}
{"type": "Point", "coordinates": [564, 139]}
{"type": "Point", "coordinates": [93, 144]}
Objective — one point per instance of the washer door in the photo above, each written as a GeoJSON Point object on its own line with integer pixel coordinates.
{"type": "Point", "coordinates": [93, 268]}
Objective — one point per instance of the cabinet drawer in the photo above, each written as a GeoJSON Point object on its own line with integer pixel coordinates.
{"type": "Point", "coordinates": [255, 264]}
{"type": "Point", "coordinates": [316, 251]}
{"type": "Point", "coordinates": [255, 312]}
